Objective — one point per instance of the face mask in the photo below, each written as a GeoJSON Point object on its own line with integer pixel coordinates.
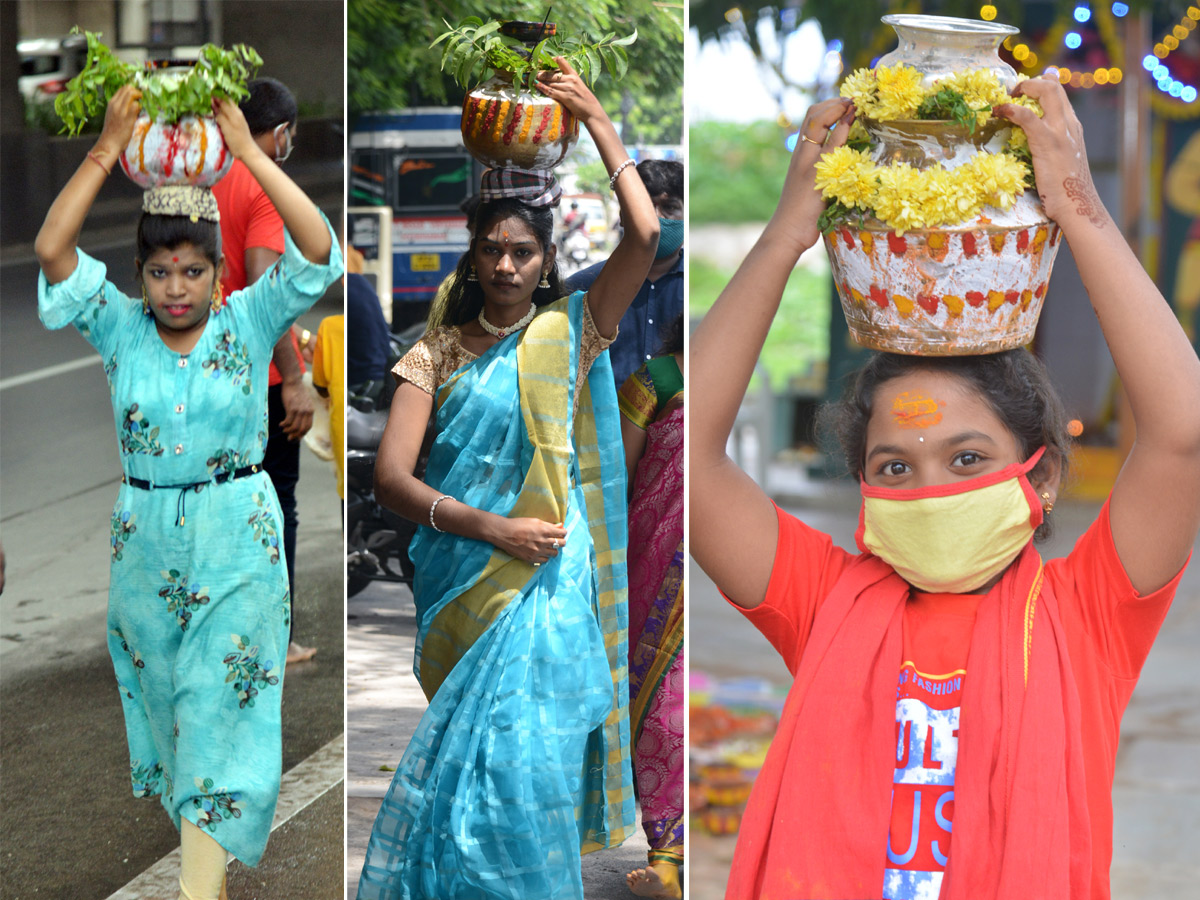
{"type": "Point", "coordinates": [670, 237]}
{"type": "Point", "coordinates": [286, 129]}
{"type": "Point", "coordinates": [952, 538]}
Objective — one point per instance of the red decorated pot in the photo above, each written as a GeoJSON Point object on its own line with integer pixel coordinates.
{"type": "Point", "coordinates": [976, 288]}
{"type": "Point", "coordinates": [503, 127]}
{"type": "Point", "coordinates": [190, 151]}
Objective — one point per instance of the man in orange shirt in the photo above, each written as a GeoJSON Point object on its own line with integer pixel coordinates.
{"type": "Point", "coordinates": [252, 239]}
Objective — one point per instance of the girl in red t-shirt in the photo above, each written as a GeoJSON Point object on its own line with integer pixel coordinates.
{"type": "Point", "coordinates": [947, 683]}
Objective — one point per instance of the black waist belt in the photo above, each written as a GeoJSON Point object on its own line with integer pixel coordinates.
{"type": "Point", "coordinates": [197, 486]}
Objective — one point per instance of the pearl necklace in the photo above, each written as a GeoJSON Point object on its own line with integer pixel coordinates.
{"type": "Point", "coordinates": [507, 329]}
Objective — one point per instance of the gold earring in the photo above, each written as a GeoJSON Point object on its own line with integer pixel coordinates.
{"type": "Point", "coordinates": [145, 301]}
{"type": "Point", "coordinates": [471, 276]}
{"type": "Point", "coordinates": [217, 302]}
{"type": "Point", "coordinates": [1047, 503]}
{"type": "Point", "coordinates": [544, 283]}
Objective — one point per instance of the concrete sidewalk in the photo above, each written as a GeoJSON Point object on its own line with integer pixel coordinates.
{"type": "Point", "coordinates": [384, 704]}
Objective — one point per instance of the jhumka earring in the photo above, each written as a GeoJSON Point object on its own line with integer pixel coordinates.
{"type": "Point", "coordinates": [217, 302]}
{"type": "Point", "coordinates": [544, 283]}
{"type": "Point", "coordinates": [145, 301]}
{"type": "Point", "coordinates": [471, 276]}
{"type": "Point", "coordinates": [1047, 504]}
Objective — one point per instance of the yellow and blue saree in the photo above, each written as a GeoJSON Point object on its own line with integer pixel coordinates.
{"type": "Point", "coordinates": [522, 761]}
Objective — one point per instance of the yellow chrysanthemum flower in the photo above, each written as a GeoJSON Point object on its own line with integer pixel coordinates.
{"type": "Point", "coordinates": [858, 132]}
{"type": "Point", "coordinates": [860, 86]}
{"type": "Point", "coordinates": [900, 93]}
{"type": "Point", "coordinates": [999, 178]}
{"type": "Point", "coordinates": [847, 176]}
{"type": "Point", "coordinates": [900, 198]}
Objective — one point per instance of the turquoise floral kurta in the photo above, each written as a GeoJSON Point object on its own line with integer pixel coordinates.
{"type": "Point", "coordinates": [198, 596]}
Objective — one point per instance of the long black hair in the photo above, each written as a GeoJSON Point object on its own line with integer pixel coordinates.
{"type": "Point", "coordinates": [464, 298]}
{"type": "Point", "coordinates": [1014, 384]}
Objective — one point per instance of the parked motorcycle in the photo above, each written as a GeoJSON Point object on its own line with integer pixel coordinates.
{"type": "Point", "coordinates": [578, 248]}
{"type": "Point", "coordinates": [376, 538]}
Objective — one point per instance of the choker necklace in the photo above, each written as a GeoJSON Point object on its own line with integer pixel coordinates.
{"type": "Point", "coordinates": [507, 329]}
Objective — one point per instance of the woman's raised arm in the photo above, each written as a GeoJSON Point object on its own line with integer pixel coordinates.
{"type": "Point", "coordinates": [622, 276]}
{"type": "Point", "coordinates": [732, 524]}
{"type": "Point", "coordinates": [56, 241]}
{"type": "Point", "coordinates": [300, 215]}
{"type": "Point", "coordinates": [1155, 504]}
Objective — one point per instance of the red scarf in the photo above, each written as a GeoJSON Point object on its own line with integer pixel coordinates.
{"type": "Point", "coordinates": [817, 823]}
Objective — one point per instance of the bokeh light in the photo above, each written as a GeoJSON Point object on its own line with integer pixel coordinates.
{"type": "Point", "coordinates": [1115, 76]}
{"type": "Point", "coordinates": [1073, 40]}
{"type": "Point", "coordinates": [1074, 428]}
{"type": "Point", "coordinates": [1188, 94]}
{"type": "Point", "coordinates": [1082, 13]}
{"type": "Point", "coordinates": [987, 12]}
{"type": "Point", "coordinates": [1120, 10]}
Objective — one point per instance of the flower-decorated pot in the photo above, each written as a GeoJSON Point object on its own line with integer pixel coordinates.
{"type": "Point", "coordinates": [976, 287]}
{"type": "Point", "coordinates": [503, 127]}
{"type": "Point", "coordinates": [190, 151]}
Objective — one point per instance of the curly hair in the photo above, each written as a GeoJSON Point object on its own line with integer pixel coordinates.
{"type": "Point", "coordinates": [1015, 385]}
{"type": "Point", "coordinates": [464, 298]}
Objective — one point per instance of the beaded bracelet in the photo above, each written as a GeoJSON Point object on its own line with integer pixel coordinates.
{"type": "Point", "coordinates": [433, 524]}
{"type": "Point", "coordinates": [94, 158]}
{"type": "Point", "coordinates": [612, 181]}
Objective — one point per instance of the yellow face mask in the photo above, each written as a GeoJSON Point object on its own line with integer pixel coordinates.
{"type": "Point", "coordinates": [952, 538]}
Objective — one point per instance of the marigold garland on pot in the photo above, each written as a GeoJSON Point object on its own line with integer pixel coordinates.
{"type": "Point", "coordinates": [903, 197]}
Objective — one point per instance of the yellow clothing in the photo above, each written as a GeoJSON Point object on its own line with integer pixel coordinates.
{"type": "Point", "coordinates": [329, 372]}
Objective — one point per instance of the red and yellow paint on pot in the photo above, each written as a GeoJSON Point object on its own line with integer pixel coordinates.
{"type": "Point", "coordinates": [978, 289]}
{"type": "Point", "coordinates": [504, 127]}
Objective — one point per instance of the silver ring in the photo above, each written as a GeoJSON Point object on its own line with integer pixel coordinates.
{"type": "Point", "coordinates": [554, 543]}
{"type": "Point", "coordinates": [536, 565]}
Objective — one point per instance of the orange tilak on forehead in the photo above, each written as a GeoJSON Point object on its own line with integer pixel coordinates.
{"type": "Point", "coordinates": [913, 409]}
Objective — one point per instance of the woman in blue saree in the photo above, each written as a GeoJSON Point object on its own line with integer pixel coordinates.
{"type": "Point", "coordinates": [521, 762]}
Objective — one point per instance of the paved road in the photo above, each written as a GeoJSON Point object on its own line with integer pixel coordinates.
{"type": "Point", "coordinates": [1156, 792]}
{"type": "Point", "coordinates": [75, 831]}
{"type": "Point", "coordinates": [384, 704]}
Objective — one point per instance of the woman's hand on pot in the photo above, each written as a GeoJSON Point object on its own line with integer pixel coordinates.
{"type": "Point", "coordinates": [234, 129]}
{"type": "Point", "coordinates": [119, 118]}
{"type": "Point", "coordinates": [1060, 163]}
{"type": "Point", "coordinates": [531, 540]}
{"type": "Point", "coordinates": [826, 126]}
{"type": "Point", "coordinates": [569, 89]}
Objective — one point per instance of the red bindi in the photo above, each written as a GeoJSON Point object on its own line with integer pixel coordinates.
{"type": "Point", "coordinates": [174, 259]}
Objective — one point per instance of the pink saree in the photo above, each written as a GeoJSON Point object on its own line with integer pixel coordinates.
{"type": "Point", "coordinates": [656, 616]}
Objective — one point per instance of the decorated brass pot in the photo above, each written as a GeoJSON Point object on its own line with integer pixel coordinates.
{"type": "Point", "coordinates": [504, 127]}
{"type": "Point", "coordinates": [971, 288]}
{"type": "Point", "coordinates": [190, 151]}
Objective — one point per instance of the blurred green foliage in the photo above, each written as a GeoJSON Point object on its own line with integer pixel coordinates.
{"type": "Point", "coordinates": [799, 337]}
{"type": "Point", "coordinates": [391, 65]}
{"type": "Point", "coordinates": [736, 171]}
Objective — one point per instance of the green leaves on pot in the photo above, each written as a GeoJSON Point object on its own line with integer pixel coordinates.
{"type": "Point", "coordinates": [949, 104]}
{"type": "Point", "coordinates": [474, 46]}
{"type": "Point", "coordinates": [166, 95]}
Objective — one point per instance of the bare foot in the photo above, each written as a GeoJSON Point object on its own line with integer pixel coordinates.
{"type": "Point", "coordinates": [648, 882]}
{"type": "Point", "coordinates": [298, 653]}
